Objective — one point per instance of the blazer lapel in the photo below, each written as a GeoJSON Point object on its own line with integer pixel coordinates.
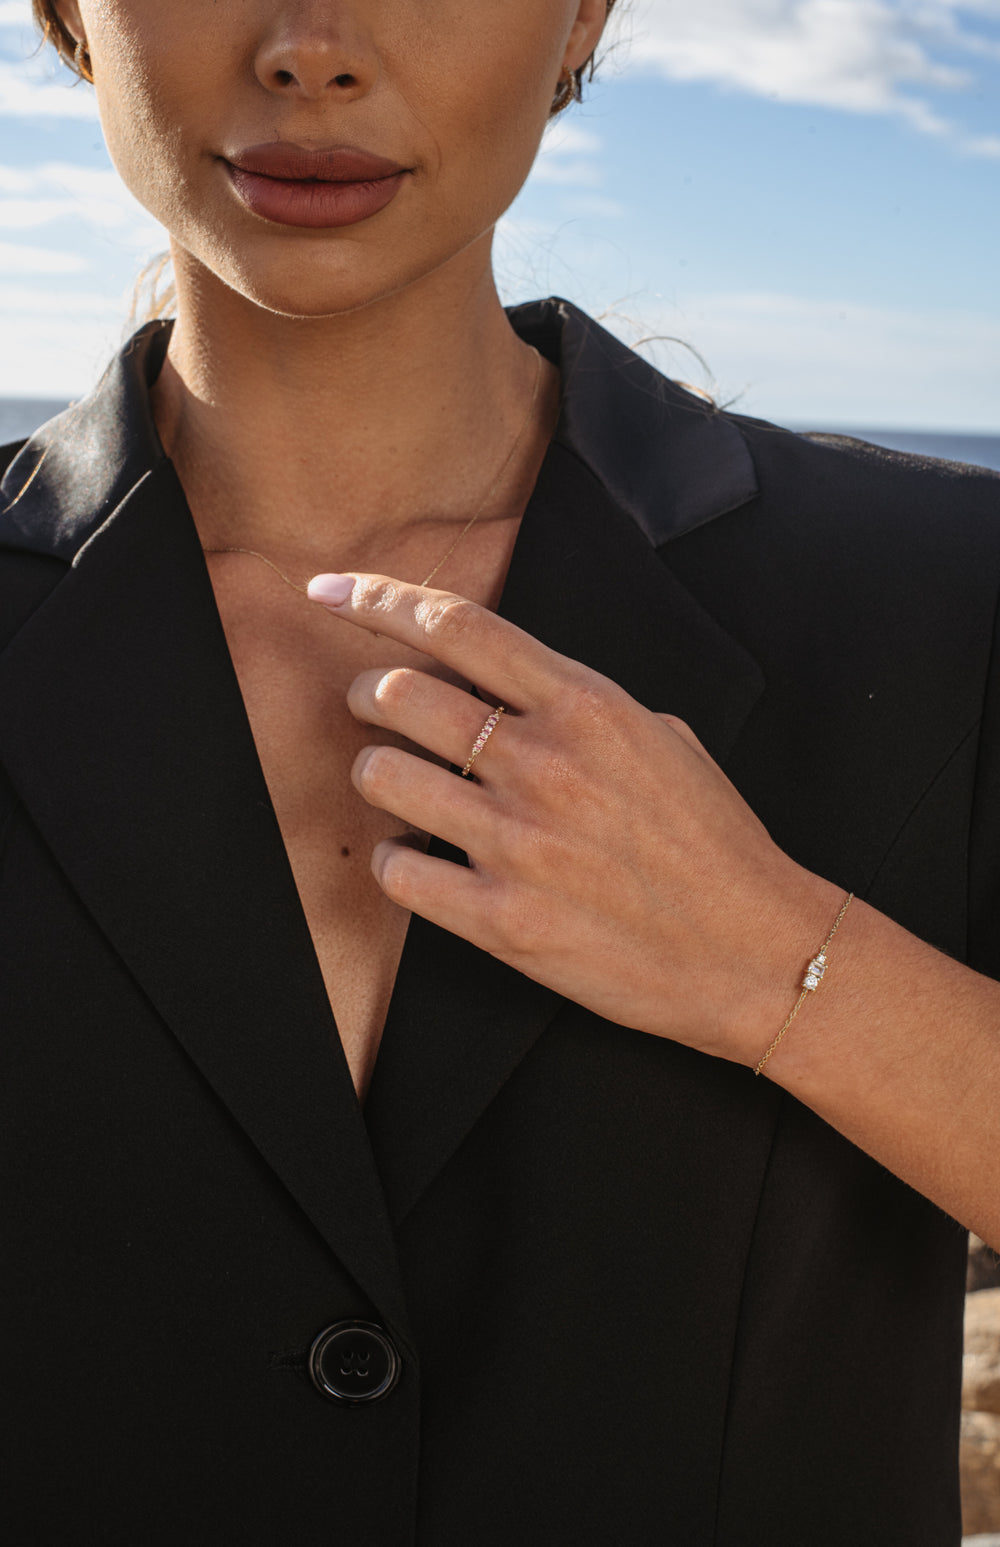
{"type": "Point", "coordinates": [584, 580]}
{"type": "Point", "coordinates": [124, 731]}
{"type": "Point", "coordinates": [126, 734]}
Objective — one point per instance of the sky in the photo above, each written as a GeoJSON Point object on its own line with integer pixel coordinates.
{"type": "Point", "coordinates": [803, 195]}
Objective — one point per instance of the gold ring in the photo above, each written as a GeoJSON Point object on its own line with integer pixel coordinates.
{"type": "Point", "coordinates": [483, 738]}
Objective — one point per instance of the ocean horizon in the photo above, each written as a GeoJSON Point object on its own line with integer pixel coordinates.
{"type": "Point", "coordinates": [21, 416]}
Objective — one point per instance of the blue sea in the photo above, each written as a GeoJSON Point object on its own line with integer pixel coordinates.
{"type": "Point", "coordinates": [19, 416]}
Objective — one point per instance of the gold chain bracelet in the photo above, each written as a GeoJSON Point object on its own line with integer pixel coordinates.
{"type": "Point", "coordinates": [815, 973]}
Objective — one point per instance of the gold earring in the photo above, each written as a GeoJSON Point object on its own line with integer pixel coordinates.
{"type": "Point", "coordinates": [81, 61]}
{"type": "Point", "coordinates": [568, 90]}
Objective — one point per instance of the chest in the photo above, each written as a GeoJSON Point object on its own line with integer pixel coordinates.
{"type": "Point", "coordinates": [295, 665]}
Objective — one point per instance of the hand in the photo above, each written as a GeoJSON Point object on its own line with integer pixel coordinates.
{"type": "Point", "coordinates": [609, 856]}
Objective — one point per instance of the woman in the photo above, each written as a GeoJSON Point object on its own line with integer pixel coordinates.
{"type": "Point", "coordinates": [494, 1237]}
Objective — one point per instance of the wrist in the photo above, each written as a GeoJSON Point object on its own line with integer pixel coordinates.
{"type": "Point", "coordinates": [809, 922]}
{"type": "Point", "coordinates": [812, 981]}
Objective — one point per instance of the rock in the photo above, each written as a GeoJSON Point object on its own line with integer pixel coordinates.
{"type": "Point", "coordinates": [980, 1452]}
{"type": "Point", "coordinates": [981, 1371]}
{"type": "Point", "coordinates": [980, 1462]}
{"type": "Point", "coordinates": [984, 1266]}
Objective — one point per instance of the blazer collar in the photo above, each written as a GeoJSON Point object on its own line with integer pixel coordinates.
{"type": "Point", "coordinates": [667, 458]}
{"type": "Point", "coordinates": [69, 478]}
{"type": "Point", "coordinates": [125, 733]}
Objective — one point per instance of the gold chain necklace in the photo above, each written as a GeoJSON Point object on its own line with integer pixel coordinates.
{"type": "Point", "coordinates": [467, 528]}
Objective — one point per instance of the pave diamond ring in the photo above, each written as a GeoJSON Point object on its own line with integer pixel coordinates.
{"type": "Point", "coordinates": [483, 738]}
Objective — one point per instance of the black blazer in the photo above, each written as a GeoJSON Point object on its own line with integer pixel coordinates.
{"type": "Point", "coordinates": [636, 1295]}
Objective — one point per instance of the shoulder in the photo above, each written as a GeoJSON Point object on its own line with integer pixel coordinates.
{"type": "Point", "coordinates": [832, 465]}
{"type": "Point", "coordinates": [850, 501]}
{"type": "Point", "coordinates": [837, 504]}
{"type": "Point", "coordinates": [871, 574]}
{"type": "Point", "coordinates": [8, 453]}
{"type": "Point", "coordinates": [677, 463]}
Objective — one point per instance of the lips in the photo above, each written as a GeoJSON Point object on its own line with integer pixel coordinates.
{"type": "Point", "coordinates": [293, 163]}
{"type": "Point", "coordinates": [290, 185]}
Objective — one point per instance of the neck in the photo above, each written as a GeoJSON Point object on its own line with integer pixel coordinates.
{"type": "Point", "coordinates": [335, 437]}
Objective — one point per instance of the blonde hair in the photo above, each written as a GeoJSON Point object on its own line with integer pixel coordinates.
{"type": "Point", "coordinates": [54, 31]}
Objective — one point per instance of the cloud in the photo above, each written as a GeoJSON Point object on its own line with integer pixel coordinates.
{"type": "Point", "coordinates": [15, 213]}
{"type": "Point", "coordinates": [43, 91]}
{"type": "Point", "coordinates": [15, 13]}
{"type": "Point", "coordinates": [56, 345]}
{"type": "Point", "coordinates": [94, 197]}
{"type": "Point", "coordinates": [984, 145]}
{"type": "Point", "coordinates": [87, 305]}
{"type": "Point", "coordinates": [18, 259]}
{"type": "Point", "coordinates": [578, 173]}
{"type": "Point", "coordinates": [831, 362]}
{"type": "Point", "coordinates": [889, 57]}
{"type": "Point", "coordinates": [594, 204]}
{"type": "Point", "coordinates": [569, 156]}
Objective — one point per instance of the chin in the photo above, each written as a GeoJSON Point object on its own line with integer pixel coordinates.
{"type": "Point", "coordinates": [298, 273]}
{"type": "Point", "coordinates": [307, 302]}
{"type": "Point", "coordinates": [326, 280]}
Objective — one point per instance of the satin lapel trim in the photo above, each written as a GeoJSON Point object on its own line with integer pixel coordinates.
{"type": "Point", "coordinates": [585, 581]}
{"type": "Point", "coordinates": [76, 470]}
{"type": "Point", "coordinates": [125, 733]}
{"type": "Point", "coordinates": [667, 458]}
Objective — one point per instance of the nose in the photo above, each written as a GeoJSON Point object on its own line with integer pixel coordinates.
{"type": "Point", "coordinates": [315, 47]}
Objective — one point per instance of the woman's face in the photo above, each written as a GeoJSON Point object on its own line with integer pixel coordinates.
{"type": "Point", "coordinates": [454, 93]}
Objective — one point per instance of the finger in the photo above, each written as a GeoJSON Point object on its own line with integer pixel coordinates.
{"type": "Point", "coordinates": [433, 714]}
{"type": "Point", "coordinates": [501, 659]}
{"type": "Point", "coordinates": [446, 894]}
{"type": "Point", "coordinates": [426, 796]}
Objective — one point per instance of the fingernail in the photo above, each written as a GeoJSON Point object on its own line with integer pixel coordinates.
{"type": "Point", "coordinates": [332, 590]}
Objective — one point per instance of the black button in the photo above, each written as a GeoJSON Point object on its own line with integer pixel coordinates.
{"type": "Point", "coordinates": [354, 1362]}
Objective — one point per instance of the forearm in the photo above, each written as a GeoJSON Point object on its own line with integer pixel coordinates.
{"type": "Point", "coordinates": [899, 1050]}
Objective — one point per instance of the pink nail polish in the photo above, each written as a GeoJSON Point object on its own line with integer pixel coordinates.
{"type": "Point", "coordinates": [331, 590]}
